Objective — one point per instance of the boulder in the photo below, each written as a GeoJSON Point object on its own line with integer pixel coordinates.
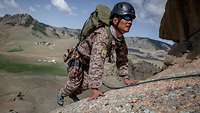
{"type": "Point", "coordinates": [181, 24]}
{"type": "Point", "coordinates": [180, 20]}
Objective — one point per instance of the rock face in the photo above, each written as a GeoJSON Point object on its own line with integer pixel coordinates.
{"type": "Point", "coordinates": [181, 23]}
{"type": "Point", "coordinates": [142, 70]}
{"type": "Point", "coordinates": [181, 19]}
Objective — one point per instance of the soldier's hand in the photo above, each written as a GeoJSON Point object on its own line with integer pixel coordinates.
{"type": "Point", "coordinates": [95, 93]}
{"type": "Point", "coordinates": [130, 82]}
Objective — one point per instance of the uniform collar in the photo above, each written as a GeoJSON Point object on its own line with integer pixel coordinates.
{"type": "Point", "coordinates": [113, 32]}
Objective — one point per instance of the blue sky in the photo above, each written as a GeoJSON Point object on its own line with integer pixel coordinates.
{"type": "Point", "coordinates": [73, 13]}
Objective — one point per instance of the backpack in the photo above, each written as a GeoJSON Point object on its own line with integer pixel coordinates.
{"type": "Point", "coordinates": [100, 17]}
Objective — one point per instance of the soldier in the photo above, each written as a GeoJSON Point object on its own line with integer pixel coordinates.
{"type": "Point", "coordinates": [86, 70]}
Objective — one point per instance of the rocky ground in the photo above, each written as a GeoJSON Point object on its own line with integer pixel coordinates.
{"type": "Point", "coordinates": [171, 96]}
{"type": "Point", "coordinates": [180, 96]}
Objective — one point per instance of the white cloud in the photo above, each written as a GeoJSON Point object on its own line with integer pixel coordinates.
{"type": "Point", "coordinates": [32, 9]}
{"type": "Point", "coordinates": [62, 5]}
{"type": "Point", "coordinates": [11, 3]}
{"type": "Point", "coordinates": [149, 11]}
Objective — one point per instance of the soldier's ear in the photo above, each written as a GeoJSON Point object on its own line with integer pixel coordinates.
{"type": "Point", "coordinates": [115, 20]}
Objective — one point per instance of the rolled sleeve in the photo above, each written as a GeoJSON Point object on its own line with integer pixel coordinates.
{"type": "Point", "coordinates": [123, 71]}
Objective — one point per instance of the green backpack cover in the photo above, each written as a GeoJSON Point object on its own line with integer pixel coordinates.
{"type": "Point", "coordinates": [100, 17]}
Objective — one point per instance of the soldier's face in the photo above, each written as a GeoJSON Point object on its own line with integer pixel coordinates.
{"type": "Point", "coordinates": [123, 25]}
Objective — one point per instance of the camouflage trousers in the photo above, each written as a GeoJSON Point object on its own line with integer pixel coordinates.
{"type": "Point", "coordinates": [77, 80]}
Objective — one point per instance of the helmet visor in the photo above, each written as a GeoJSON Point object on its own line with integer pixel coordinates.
{"type": "Point", "coordinates": [127, 17]}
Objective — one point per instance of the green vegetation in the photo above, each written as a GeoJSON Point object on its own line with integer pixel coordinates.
{"type": "Point", "coordinates": [17, 49]}
{"type": "Point", "coordinates": [15, 66]}
{"type": "Point", "coordinates": [40, 27]}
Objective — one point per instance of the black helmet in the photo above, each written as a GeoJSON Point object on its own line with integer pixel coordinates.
{"type": "Point", "coordinates": [123, 8]}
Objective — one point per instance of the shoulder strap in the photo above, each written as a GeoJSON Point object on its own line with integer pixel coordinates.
{"type": "Point", "coordinates": [109, 46]}
{"type": "Point", "coordinates": [110, 36]}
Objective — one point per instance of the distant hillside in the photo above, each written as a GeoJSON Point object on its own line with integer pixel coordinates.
{"type": "Point", "coordinates": [24, 34]}
{"type": "Point", "coordinates": [147, 43]}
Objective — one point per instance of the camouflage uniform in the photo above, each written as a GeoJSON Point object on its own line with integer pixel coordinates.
{"type": "Point", "coordinates": [93, 51]}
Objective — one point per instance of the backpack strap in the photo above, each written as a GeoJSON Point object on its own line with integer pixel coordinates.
{"type": "Point", "coordinates": [109, 46]}
{"type": "Point", "coordinates": [110, 36]}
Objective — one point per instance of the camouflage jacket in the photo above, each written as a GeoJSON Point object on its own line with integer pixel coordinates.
{"type": "Point", "coordinates": [96, 48]}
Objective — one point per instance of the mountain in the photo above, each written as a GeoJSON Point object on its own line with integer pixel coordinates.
{"type": "Point", "coordinates": [38, 29]}
{"type": "Point", "coordinates": [21, 33]}
{"type": "Point", "coordinates": [27, 20]}
{"type": "Point", "coordinates": [18, 19]}
{"type": "Point", "coordinates": [147, 43]}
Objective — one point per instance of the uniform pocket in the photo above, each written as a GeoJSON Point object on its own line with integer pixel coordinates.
{"type": "Point", "coordinates": [75, 68]}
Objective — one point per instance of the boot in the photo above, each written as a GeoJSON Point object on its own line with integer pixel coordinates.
{"type": "Point", "coordinates": [74, 97]}
{"type": "Point", "coordinates": [60, 99]}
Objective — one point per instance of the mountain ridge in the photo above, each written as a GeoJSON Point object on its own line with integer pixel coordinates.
{"type": "Point", "coordinates": [27, 20]}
